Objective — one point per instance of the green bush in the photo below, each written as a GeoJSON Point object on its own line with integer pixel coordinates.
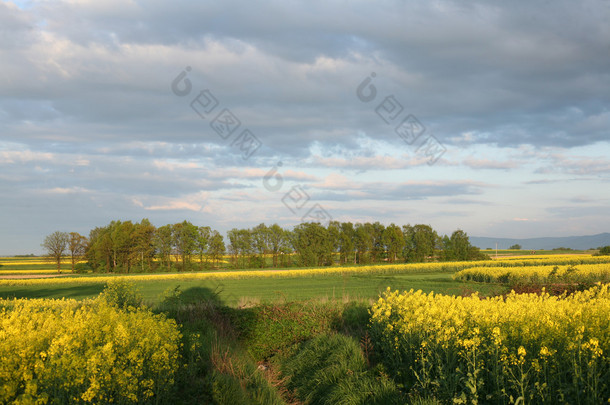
{"type": "Point", "coordinates": [269, 329]}
{"type": "Point", "coordinates": [121, 294]}
{"type": "Point", "coordinates": [81, 268]}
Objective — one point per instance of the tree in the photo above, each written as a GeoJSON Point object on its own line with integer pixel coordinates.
{"type": "Point", "coordinates": [346, 242]}
{"type": "Point", "coordinates": [164, 244]}
{"type": "Point", "coordinates": [334, 234]}
{"type": "Point", "coordinates": [217, 247]}
{"type": "Point", "coordinates": [261, 242]}
{"type": "Point", "coordinates": [458, 247]}
{"type": "Point", "coordinates": [185, 237]}
{"type": "Point", "coordinates": [312, 243]}
{"type": "Point", "coordinates": [515, 247]}
{"type": "Point", "coordinates": [240, 246]}
{"type": "Point", "coordinates": [363, 242]}
{"type": "Point", "coordinates": [55, 244]}
{"type": "Point", "coordinates": [77, 245]}
{"type": "Point", "coordinates": [121, 244]}
{"type": "Point", "coordinates": [603, 251]}
{"type": "Point", "coordinates": [143, 248]}
{"type": "Point", "coordinates": [203, 240]}
{"type": "Point", "coordinates": [420, 242]}
{"type": "Point", "coordinates": [378, 248]}
{"type": "Point", "coordinates": [394, 242]}
{"type": "Point", "coordinates": [278, 243]}
{"type": "Point", "coordinates": [99, 249]}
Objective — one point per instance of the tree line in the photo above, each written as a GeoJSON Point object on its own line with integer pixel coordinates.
{"type": "Point", "coordinates": [124, 246]}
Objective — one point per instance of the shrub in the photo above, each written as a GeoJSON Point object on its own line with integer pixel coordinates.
{"type": "Point", "coordinates": [82, 268]}
{"type": "Point", "coordinates": [121, 294]}
{"type": "Point", "coordinates": [268, 329]}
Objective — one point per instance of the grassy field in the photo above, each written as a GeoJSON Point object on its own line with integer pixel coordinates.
{"type": "Point", "coordinates": [238, 288]}
{"type": "Point", "coordinates": [242, 291]}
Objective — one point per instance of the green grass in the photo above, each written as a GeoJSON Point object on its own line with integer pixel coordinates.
{"type": "Point", "coordinates": [240, 291]}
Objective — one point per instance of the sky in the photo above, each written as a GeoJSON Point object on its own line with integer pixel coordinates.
{"type": "Point", "coordinates": [488, 116]}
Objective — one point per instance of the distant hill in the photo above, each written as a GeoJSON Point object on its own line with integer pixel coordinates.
{"type": "Point", "coordinates": [573, 242]}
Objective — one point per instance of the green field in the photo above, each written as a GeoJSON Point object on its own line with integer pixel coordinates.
{"type": "Point", "coordinates": [241, 291]}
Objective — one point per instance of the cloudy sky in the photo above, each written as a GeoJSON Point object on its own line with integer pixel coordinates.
{"type": "Point", "coordinates": [490, 116]}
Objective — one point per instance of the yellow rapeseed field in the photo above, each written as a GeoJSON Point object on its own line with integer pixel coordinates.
{"type": "Point", "coordinates": [540, 348]}
{"type": "Point", "coordinates": [531, 274]}
{"type": "Point", "coordinates": [64, 351]}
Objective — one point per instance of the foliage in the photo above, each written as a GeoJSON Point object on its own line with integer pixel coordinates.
{"type": "Point", "coordinates": [81, 268]}
{"type": "Point", "coordinates": [218, 369]}
{"type": "Point", "coordinates": [458, 247]}
{"type": "Point", "coordinates": [586, 273]}
{"type": "Point", "coordinates": [139, 247]}
{"type": "Point", "coordinates": [331, 369]}
{"type": "Point", "coordinates": [313, 244]}
{"type": "Point", "coordinates": [63, 351]}
{"type": "Point", "coordinates": [121, 294]}
{"type": "Point", "coordinates": [77, 245]}
{"type": "Point", "coordinates": [603, 251]}
{"type": "Point", "coordinates": [515, 247]}
{"type": "Point", "coordinates": [271, 328]}
{"type": "Point", "coordinates": [524, 347]}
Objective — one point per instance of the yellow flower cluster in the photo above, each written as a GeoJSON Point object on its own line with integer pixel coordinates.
{"type": "Point", "coordinates": [530, 274]}
{"type": "Point", "coordinates": [537, 347]}
{"type": "Point", "coordinates": [64, 351]}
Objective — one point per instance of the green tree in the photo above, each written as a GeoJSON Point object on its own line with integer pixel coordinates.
{"type": "Point", "coordinates": [378, 248]}
{"type": "Point", "coordinates": [99, 249]}
{"type": "Point", "coordinates": [164, 243]}
{"type": "Point", "coordinates": [346, 243]}
{"type": "Point", "coordinates": [261, 243]}
{"type": "Point", "coordinates": [420, 242]}
{"type": "Point", "coordinates": [313, 244]}
{"type": "Point", "coordinates": [143, 246]}
{"type": "Point", "coordinates": [240, 246]}
{"type": "Point", "coordinates": [77, 246]}
{"type": "Point", "coordinates": [394, 242]}
{"type": "Point", "coordinates": [278, 243]}
{"type": "Point", "coordinates": [603, 251]}
{"type": "Point", "coordinates": [334, 235]}
{"type": "Point", "coordinates": [122, 242]}
{"type": "Point", "coordinates": [56, 244]}
{"type": "Point", "coordinates": [363, 242]}
{"type": "Point", "coordinates": [185, 237]}
{"type": "Point", "coordinates": [458, 247]}
{"type": "Point", "coordinates": [217, 247]}
{"type": "Point", "coordinates": [515, 247]}
{"type": "Point", "coordinates": [203, 241]}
